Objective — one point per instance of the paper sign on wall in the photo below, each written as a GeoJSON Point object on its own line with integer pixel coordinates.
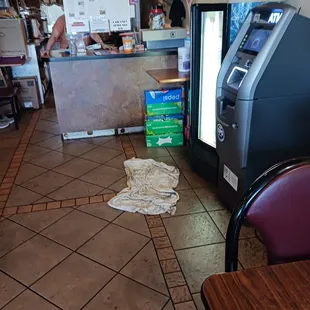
{"type": "Point", "coordinates": [99, 24]}
{"type": "Point", "coordinates": [97, 15]}
{"type": "Point", "coordinates": [78, 25]}
{"type": "Point", "coordinates": [120, 25]}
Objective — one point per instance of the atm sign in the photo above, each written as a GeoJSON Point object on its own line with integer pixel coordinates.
{"type": "Point", "coordinates": [274, 18]}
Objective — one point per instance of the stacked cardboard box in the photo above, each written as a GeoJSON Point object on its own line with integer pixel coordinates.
{"type": "Point", "coordinates": [164, 118]}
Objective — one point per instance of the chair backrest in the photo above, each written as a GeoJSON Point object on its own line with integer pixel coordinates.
{"type": "Point", "coordinates": [278, 206]}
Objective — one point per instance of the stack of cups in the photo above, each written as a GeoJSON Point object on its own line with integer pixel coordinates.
{"type": "Point", "coordinates": [183, 59]}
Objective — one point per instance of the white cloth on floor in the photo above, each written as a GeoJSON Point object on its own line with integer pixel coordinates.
{"type": "Point", "coordinates": [150, 188]}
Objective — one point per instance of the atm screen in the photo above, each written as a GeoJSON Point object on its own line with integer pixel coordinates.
{"type": "Point", "coordinates": [257, 40]}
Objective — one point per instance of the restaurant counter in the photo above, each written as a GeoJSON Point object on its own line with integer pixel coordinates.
{"type": "Point", "coordinates": [94, 95]}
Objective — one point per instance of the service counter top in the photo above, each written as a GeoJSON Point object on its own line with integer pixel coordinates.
{"type": "Point", "coordinates": [59, 56]}
{"type": "Point", "coordinates": [104, 93]}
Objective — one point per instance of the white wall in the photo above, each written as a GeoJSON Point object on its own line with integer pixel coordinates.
{"type": "Point", "coordinates": [304, 4]}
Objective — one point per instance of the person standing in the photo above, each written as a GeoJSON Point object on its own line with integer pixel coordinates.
{"type": "Point", "coordinates": [59, 34]}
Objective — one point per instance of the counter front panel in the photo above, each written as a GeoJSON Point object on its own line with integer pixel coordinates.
{"type": "Point", "coordinates": [104, 93]}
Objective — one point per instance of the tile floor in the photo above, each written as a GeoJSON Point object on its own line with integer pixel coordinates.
{"type": "Point", "coordinates": [89, 256]}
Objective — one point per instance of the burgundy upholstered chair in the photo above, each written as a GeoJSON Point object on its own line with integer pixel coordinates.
{"type": "Point", "coordinates": [278, 207]}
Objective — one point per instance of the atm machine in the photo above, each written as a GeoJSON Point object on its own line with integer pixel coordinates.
{"type": "Point", "coordinates": [263, 98]}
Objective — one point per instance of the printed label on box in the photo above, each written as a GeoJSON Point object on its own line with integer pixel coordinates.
{"type": "Point", "coordinates": [163, 96]}
{"type": "Point", "coordinates": [164, 140]}
{"type": "Point", "coordinates": [163, 125]}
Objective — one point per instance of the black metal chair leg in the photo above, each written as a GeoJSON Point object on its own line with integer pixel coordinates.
{"type": "Point", "coordinates": [17, 107]}
{"type": "Point", "coordinates": [14, 110]}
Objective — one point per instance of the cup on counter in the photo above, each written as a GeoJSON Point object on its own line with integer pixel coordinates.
{"type": "Point", "coordinates": [127, 43]}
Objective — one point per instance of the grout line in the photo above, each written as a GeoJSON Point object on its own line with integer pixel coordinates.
{"type": "Point", "coordinates": [74, 178]}
{"type": "Point", "coordinates": [27, 288]}
{"type": "Point", "coordinates": [83, 255]}
{"type": "Point", "coordinates": [128, 153]}
{"type": "Point", "coordinates": [16, 161]}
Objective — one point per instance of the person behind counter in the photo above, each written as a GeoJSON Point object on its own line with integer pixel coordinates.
{"type": "Point", "coordinates": [59, 34]}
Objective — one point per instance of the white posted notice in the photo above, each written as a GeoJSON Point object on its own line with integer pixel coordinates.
{"type": "Point", "coordinates": [231, 178]}
{"type": "Point", "coordinates": [99, 15]}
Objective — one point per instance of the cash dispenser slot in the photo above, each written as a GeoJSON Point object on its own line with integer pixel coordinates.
{"type": "Point", "coordinates": [224, 103]}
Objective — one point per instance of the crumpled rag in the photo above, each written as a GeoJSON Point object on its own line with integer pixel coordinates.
{"type": "Point", "coordinates": [150, 188]}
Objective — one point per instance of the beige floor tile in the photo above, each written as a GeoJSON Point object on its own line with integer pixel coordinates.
{"type": "Point", "coordinates": [47, 182]}
{"type": "Point", "coordinates": [101, 210]}
{"type": "Point", "coordinates": [37, 221]}
{"type": "Point", "coordinates": [38, 254]}
{"type": "Point", "coordinates": [21, 196]}
{"type": "Point", "coordinates": [12, 235]}
{"type": "Point", "coordinates": [43, 200]}
{"type": "Point", "coordinates": [9, 289]}
{"type": "Point", "coordinates": [76, 148]}
{"type": "Point", "coordinates": [188, 203]}
{"type": "Point", "coordinates": [182, 162]}
{"type": "Point", "coordinates": [51, 118]}
{"type": "Point", "coordinates": [114, 246]}
{"type": "Point", "coordinates": [34, 151]}
{"type": "Point", "coordinates": [119, 185]}
{"type": "Point", "coordinates": [106, 191]}
{"type": "Point", "coordinates": [209, 199]}
{"type": "Point", "coordinates": [199, 263]}
{"type": "Point", "coordinates": [49, 109]}
{"type": "Point", "coordinates": [101, 154]}
{"type": "Point", "coordinates": [133, 221]}
{"type": "Point", "coordinates": [145, 153]}
{"type": "Point", "coordinates": [222, 218]}
{"type": "Point", "coordinates": [117, 162]}
{"type": "Point", "coordinates": [29, 301]}
{"type": "Point", "coordinates": [74, 229]}
{"type": "Point", "coordinates": [167, 160]}
{"type": "Point", "coordinates": [9, 142]}
{"type": "Point", "coordinates": [188, 305]}
{"type": "Point", "coordinates": [6, 154]}
{"type": "Point", "coordinates": [52, 143]}
{"type": "Point", "coordinates": [39, 136]}
{"type": "Point", "coordinates": [98, 141]}
{"type": "Point", "coordinates": [125, 294]}
{"type": "Point", "coordinates": [75, 189]}
{"type": "Point", "coordinates": [177, 150]}
{"type": "Point", "coordinates": [4, 165]}
{"type": "Point", "coordinates": [137, 139]}
{"type": "Point", "coordinates": [252, 253]}
{"type": "Point", "coordinates": [145, 268]}
{"type": "Point", "coordinates": [115, 144]}
{"type": "Point", "coordinates": [183, 184]}
{"type": "Point", "coordinates": [28, 171]}
{"type": "Point", "coordinates": [194, 179]}
{"type": "Point", "coordinates": [169, 306]}
{"type": "Point", "coordinates": [47, 126]}
{"type": "Point", "coordinates": [198, 302]}
{"type": "Point", "coordinates": [192, 230]}
{"type": "Point", "coordinates": [103, 176]}
{"type": "Point", "coordinates": [51, 160]}
{"type": "Point", "coordinates": [73, 282]}
{"type": "Point", "coordinates": [76, 167]}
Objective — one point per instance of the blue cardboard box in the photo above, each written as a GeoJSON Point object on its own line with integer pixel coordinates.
{"type": "Point", "coordinates": [164, 102]}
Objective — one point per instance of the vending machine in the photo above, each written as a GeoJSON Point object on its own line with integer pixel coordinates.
{"type": "Point", "coordinates": [214, 26]}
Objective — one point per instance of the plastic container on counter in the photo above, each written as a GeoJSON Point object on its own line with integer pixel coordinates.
{"type": "Point", "coordinates": [183, 59]}
{"type": "Point", "coordinates": [156, 19]}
